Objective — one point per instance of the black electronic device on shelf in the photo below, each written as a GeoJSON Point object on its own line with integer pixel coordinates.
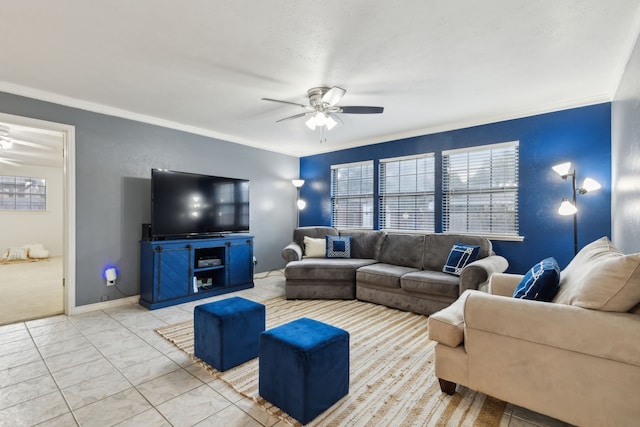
{"type": "Point", "coordinates": [189, 205]}
{"type": "Point", "coordinates": [209, 262]}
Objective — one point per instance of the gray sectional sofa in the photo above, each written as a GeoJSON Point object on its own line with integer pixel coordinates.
{"type": "Point", "coordinates": [402, 271]}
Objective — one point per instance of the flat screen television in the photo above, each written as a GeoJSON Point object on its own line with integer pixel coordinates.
{"type": "Point", "coordinates": [185, 205]}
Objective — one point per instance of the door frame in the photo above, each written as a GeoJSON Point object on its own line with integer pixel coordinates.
{"type": "Point", "coordinates": [69, 200]}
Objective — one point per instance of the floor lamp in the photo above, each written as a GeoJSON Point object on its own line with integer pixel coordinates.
{"type": "Point", "coordinates": [300, 204]}
{"type": "Point", "coordinates": [570, 207]}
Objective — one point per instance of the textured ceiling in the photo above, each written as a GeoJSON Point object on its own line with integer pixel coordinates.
{"type": "Point", "coordinates": [203, 66]}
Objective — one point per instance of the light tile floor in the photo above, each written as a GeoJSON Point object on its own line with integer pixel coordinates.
{"type": "Point", "coordinates": [110, 368]}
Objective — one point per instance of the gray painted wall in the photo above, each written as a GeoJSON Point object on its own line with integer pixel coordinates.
{"type": "Point", "coordinates": [625, 158]}
{"type": "Point", "coordinates": [114, 158]}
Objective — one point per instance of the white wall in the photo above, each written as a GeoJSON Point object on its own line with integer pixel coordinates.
{"type": "Point", "coordinates": [19, 228]}
{"type": "Point", "coordinates": [625, 158]}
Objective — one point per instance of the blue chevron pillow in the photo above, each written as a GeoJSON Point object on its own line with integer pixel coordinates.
{"type": "Point", "coordinates": [541, 281]}
{"type": "Point", "coordinates": [459, 257]}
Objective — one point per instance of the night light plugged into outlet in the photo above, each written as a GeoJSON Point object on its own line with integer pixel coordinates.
{"type": "Point", "coordinates": [111, 275]}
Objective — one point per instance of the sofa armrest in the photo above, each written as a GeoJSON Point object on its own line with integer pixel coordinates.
{"type": "Point", "coordinates": [592, 332]}
{"type": "Point", "coordinates": [292, 252]}
{"type": "Point", "coordinates": [447, 325]}
{"type": "Point", "coordinates": [504, 284]}
{"type": "Point", "coordinates": [480, 271]}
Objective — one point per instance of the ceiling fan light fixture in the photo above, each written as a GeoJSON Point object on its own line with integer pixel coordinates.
{"type": "Point", "coordinates": [323, 111]}
{"type": "Point", "coordinates": [330, 123]}
{"type": "Point", "coordinates": [321, 119]}
{"type": "Point", "coordinates": [311, 123]}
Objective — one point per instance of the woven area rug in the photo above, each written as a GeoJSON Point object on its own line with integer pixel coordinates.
{"type": "Point", "coordinates": [392, 379]}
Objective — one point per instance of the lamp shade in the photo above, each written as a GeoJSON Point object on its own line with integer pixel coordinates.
{"type": "Point", "coordinates": [590, 185]}
{"type": "Point", "coordinates": [567, 208]}
{"type": "Point", "coordinates": [562, 169]}
{"type": "Point", "coordinates": [297, 182]}
{"type": "Point", "coordinates": [301, 204]}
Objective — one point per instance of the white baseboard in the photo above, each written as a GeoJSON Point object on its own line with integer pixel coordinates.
{"type": "Point", "coordinates": [104, 305]}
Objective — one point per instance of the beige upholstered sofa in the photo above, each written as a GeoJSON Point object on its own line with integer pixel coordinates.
{"type": "Point", "coordinates": [576, 359]}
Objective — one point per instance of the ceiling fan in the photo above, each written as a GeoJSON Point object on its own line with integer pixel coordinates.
{"type": "Point", "coordinates": [322, 111]}
{"type": "Point", "coordinates": [5, 140]}
{"type": "Point", "coordinates": [15, 149]}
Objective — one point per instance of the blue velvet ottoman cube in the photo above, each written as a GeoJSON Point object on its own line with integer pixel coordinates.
{"type": "Point", "coordinates": [226, 333]}
{"type": "Point", "coordinates": [304, 367]}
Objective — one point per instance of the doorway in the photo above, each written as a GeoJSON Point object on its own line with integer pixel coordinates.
{"type": "Point", "coordinates": [39, 155]}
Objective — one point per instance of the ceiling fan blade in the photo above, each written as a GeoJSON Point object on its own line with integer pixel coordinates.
{"type": "Point", "coordinates": [361, 110]}
{"type": "Point", "coordinates": [337, 119]}
{"type": "Point", "coordinates": [292, 117]}
{"type": "Point", "coordinates": [10, 161]}
{"type": "Point", "coordinates": [32, 144]}
{"type": "Point", "coordinates": [333, 96]}
{"type": "Point", "coordinates": [286, 102]}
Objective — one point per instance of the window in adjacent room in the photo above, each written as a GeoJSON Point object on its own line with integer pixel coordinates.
{"type": "Point", "coordinates": [480, 190]}
{"type": "Point", "coordinates": [352, 195]}
{"type": "Point", "coordinates": [19, 193]}
{"type": "Point", "coordinates": [407, 186]}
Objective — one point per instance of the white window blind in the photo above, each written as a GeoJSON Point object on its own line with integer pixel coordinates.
{"type": "Point", "coordinates": [352, 195]}
{"type": "Point", "coordinates": [480, 190]}
{"type": "Point", "coordinates": [406, 193]}
{"type": "Point", "coordinates": [19, 193]}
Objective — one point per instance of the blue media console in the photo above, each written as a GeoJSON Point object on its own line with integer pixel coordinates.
{"type": "Point", "coordinates": [177, 271]}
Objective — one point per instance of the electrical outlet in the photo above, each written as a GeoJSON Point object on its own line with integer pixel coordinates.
{"type": "Point", "coordinates": [104, 298]}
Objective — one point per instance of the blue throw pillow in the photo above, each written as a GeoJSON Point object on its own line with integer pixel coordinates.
{"type": "Point", "coordinates": [541, 281]}
{"type": "Point", "coordinates": [459, 257]}
{"type": "Point", "coordinates": [338, 246]}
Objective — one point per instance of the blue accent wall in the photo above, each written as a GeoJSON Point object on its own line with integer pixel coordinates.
{"type": "Point", "coordinates": [580, 135]}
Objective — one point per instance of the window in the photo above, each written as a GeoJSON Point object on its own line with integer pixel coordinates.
{"type": "Point", "coordinates": [480, 190]}
{"type": "Point", "coordinates": [352, 195]}
{"type": "Point", "coordinates": [407, 193]}
{"type": "Point", "coordinates": [22, 194]}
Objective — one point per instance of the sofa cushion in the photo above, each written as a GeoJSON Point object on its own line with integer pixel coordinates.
{"type": "Point", "coordinates": [460, 256]}
{"type": "Point", "coordinates": [402, 249]}
{"type": "Point", "coordinates": [431, 282]}
{"type": "Point", "coordinates": [365, 244]}
{"type": "Point", "coordinates": [318, 232]}
{"type": "Point", "coordinates": [585, 256]}
{"type": "Point", "coordinates": [438, 246]}
{"type": "Point", "coordinates": [314, 248]}
{"type": "Point", "coordinates": [325, 269]}
{"type": "Point", "coordinates": [383, 275]}
{"type": "Point", "coordinates": [541, 281]}
{"type": "Point", "coordinates": [338, 246]}
{"type": "Point", "coordinates": [600, 277]}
